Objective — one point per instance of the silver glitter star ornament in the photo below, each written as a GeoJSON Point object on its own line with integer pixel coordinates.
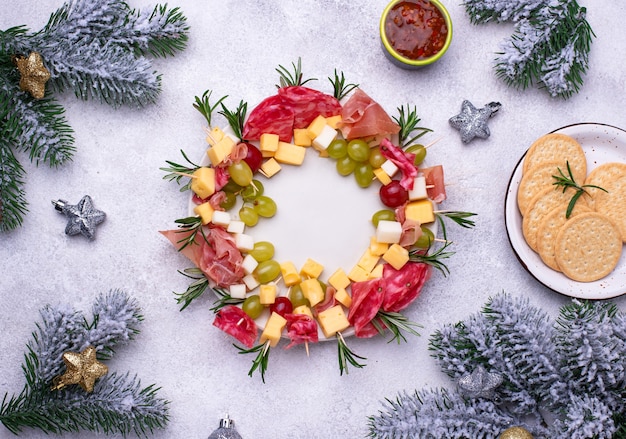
{"type": "Point", "coordinates": [81, 218]}
{"type": "Point", "coordinates": [472, 121]}
{"type": "Point", "coordinates": [479, 384]}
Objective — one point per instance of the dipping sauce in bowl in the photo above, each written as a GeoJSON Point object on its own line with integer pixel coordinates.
{"type": "Point", "coordinates": [415, 33]}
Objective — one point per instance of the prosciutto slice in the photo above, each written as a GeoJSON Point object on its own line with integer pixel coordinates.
{"type": "Point", "coordinates": [434, 178]}
{"type": "Point", "coordinates": [233, 321]}
{"type": "Point", "coordinates": [403, 286]}
{"type": "Point", "coordinates": [293, 107]}
{"type": "Point", "coordinates": [363, 117]}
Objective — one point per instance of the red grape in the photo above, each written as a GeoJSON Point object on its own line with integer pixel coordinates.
{"type": "Point", "coordinates": [393, 194]}
{"type": "Point", "coordinates": [282, 305]}
{"type": "Point", "coordinates": [253, 158]}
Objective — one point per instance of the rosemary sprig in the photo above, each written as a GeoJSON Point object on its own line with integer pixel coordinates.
{"type": "Point", "coordinates": [459, 217]}
{"type": "Point", "coordinates": [396, 323]}
{"type": "Point", "coordinates": [408, 121]}
{"type": "Point", "coordinates": [568, 181]}
{"type": "Point", "coordinates": [177, 171]}
{"type": "Point", "coordinates": [261, 360]}
{"type": "Point", "coordinates": [191, 225]}
{"type": "Point", "coordinates": [195, 289]}
{"type": "Point", "coordinates": [287, 79]}
{"type": "Point", "coordinates": [224, 299]}
{"type": "Point", "coordinates": [203, 105]}
{"type": "Point", "coordinates": [236, 118]}
{"type": "Point", "coordinates": [433, 259]}
{"type": "Point", "coordinates": [340, 88]}
{"type": "Point", "coordinates": [346, 355]}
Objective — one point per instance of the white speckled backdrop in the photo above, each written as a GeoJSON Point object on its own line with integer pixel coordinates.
{"type": "Point", "coordinates": [234, 48]}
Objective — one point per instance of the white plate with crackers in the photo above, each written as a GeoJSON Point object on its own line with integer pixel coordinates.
{"type": "Point", "coordinates": [602, 144]}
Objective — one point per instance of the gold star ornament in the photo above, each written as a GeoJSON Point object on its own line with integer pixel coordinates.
{"type": "Point", "coordinates": [34, 74]}
{"type": "Point", "coordinates": [82, 368]}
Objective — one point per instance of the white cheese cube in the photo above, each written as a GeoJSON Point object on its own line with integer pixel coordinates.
{"type": "Point", "coordinates": [221, 218]}
{"type": "Point", "coordinates": [389, 167]}
{"type": "Point", "coordinates": [236, 226]}
{"type": "Point", "coordinates": [244, 242]}
{"type": "Point", "coordinates": [250, 281]}
{"type": "Point", "coordinates": [249, 264]}
{"type": "Point", "coordinates": [324, 138]}
{"type": "Point", "coordinates": [388, 232]}
{"type": "Point", "coordinates": [237, 291]}
{"type": "Point", "coordinates": [419, 189]}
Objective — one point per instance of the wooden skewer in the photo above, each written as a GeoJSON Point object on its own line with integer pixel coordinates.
{"type": "Point", "coordinates": [185, 174]}
{"type": "Point", "coordinates": [241, 320]}
{"type": "Point", "coordinates": [432, 143]}
{"type": "Point", "coordinates": [306, 347]}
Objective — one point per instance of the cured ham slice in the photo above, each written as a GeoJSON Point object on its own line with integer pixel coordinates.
{"type": "Point", "coordinates": [293, 107]}
{"type": "Point", "coordinates": [232, 320]}
{"type": "Point", "coordinates": [434, 178]}
{"type": "Point", "coordinates": [363, 117]}
{"type": "Point", "coordinates": [403, 286]}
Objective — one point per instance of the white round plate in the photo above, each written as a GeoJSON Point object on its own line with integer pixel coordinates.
{"type": "Point", "coordinates": [602, 144]}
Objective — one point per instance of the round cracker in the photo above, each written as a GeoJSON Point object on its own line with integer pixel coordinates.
{"type": "Point", "coordinates": [556, 147]}
{"type": "Point", "coordinates": [588, 247]}
{"type": "Point", "coordinates": [613, 204]}
{"type": "Point", "coordinates": [549, 229]}
{"type": "Point", "coordinates": [602, 176]}
{"type": "Point", "coordinates": [540, 177]}
{"type": "Point", "coordinates": [540, 205]}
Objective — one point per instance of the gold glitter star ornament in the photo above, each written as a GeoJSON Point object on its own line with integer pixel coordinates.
{"type": "Point", "coordinates": [82, 368]}
{"type": "Point", "coordinates": [34, 74]}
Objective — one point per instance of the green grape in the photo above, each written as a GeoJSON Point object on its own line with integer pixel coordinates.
{"type": "Point", "coordinates": [241, 173]}
{"type": "Point", "coordinates": [376, 158]}
{"type": "Point", "coordinates": [253, 190]}
{"type": "Point", "coordinates": [229, 201]}
{"type": "Point", "coordinates": [364, 174]}
{"type": "Point", "coordinates": [267, 271]}
{"type": "Point", "coordinates": [337, 149]}
{"type": "Point", "coordinates": [265, 206]}
{"type": "Point", "coordinates": [345, 166]}
{"type": "Point", "coordinates": [231, 186]}
{"type": "Point", "coordinates": [383, 215]}
{"type": "Point", "coordinates": [420, 153]}
{"type": "Point", "coordinates": [262, 251]}
{"type": "Point", "coordinates": [426, 239]}
{"type": "Point", "coordinates": [297, 297]}
{"type": "Point", "coordinates": [252, 306]}
{"type": "Point", "coordinates": [358, 150]}
{"type": "Point", "coordinates": [248, 215]}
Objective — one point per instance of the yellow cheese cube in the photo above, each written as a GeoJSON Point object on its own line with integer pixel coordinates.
{"type": "Point", "coordinates": [333, 320]}
{"type": "Point", "coordinates": [270, 167]}
{"type": "Point", "coordinates": [214, 136]}
{"type": "Point", "coordinates": [289, 273]}
{"type": "Point", "coordinates": [343, 297]}
{"type": "Point", "coordinates": [273, 328]}
{"type": "Point", "coordinates": [301, 137]}
{"type": "Point", "coordinates": [334, 121]}
{"type": "Point", "coordinates": [420, 211]}
{"type": "Point", "coordinates": [315, 128]}
{"type": "Point", "coordinates": [205, 212]}
{"type": "Point", "coordinates": [382, 176]}
{"type": "Point", "coordinates": [267, 294]}
{"type": "Point", "coordinates": [339, 279]}
{"type": "Point", "coordinates": [203, 182]}
{"type": "Point", "coordinates": [358, 274]}
{"type": "Point", "coordinates": [377, 248]}
{"type": "Point", "coordinates": [311, 269]}
{"type": "Point", "coordinates": [312, 290]}
{"type": "Point", "coordinates": [376, 272]}
{"type": "Point", "coordinates": [368, 261]}
{"type": "Point", "coordinates": [396, 256]}
{"type": "Point", "coordinates": [289, 153]}
{"type": "Point", "coordinates": [303, 309]}
{"type": "Point", "coordinates": [268, 144]}
{"type": "Point", "coordinates": [218, 152]}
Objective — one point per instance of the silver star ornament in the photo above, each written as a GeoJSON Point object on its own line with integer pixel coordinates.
{"type": "Point", "coordinates": [472, 121]}
{"type": "Point", "coordinates": [479, 384]}
{"type": "Point", "coordinates": [81, 218]}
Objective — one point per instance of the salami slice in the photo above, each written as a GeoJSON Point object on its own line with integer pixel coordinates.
{"type": "Point", "coordinates": [367, 297]}
{"type": "Point", "coordinates": [403, 286]}
{"type": "Point", "coordinates": [403, 160]}
{"type": "Point", "coordinates": [301, 329]}
{"type": "Point", "coordinates": [293, 107]}
{"type": "Point", "coordinates": [233, 321]}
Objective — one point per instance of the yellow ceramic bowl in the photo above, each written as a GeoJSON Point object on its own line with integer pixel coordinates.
{"type": "Point", "coordinates": [404, 61]}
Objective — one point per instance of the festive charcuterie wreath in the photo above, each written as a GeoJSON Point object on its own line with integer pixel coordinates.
{"type": "Point", "coordinates": [256, 291]}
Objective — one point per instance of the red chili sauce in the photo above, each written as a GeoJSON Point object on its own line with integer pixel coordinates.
{"type": "Point", "coordinates": [416, 29]}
